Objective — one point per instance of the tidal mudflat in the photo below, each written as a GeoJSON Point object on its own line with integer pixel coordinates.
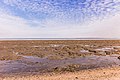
{"type": "Point", "coordinates": [40, 59]}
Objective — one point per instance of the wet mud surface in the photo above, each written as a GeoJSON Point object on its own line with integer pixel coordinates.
{"type": "Point", "coordinates": [57, 56]}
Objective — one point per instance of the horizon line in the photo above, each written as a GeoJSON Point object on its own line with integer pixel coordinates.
{"type": "Point", "coordinates": [59, 38]}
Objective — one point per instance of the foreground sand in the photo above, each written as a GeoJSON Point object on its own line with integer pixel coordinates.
{"type": "Point", "coordinates": [96, 74]}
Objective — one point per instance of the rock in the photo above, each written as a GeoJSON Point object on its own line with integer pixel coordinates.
{"type": "Point", "coordinates": [108, 52]}
{"type": "Point", "coordinates": [91, 50]}
{"type": "Point", "coordinates": [101, 53]}
{"type": "Point", "coordinates": [76, 77]}
{"type": "Point", "coordinates": [119, 57]}
{"type": "Point", "coordinates": [103, 72]}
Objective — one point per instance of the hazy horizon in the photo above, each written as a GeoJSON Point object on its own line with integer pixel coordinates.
{"type": "Point", "coordinates": [59, 38]}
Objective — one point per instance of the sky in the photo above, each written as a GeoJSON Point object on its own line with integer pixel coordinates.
{"type": "Point", "coordinates": [59, 18]}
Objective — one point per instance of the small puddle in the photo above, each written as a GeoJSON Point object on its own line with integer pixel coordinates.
{"type": "Point", "coordinates": [116, 46]}
{"type": "Point", "coordinates": [105, 49]}
{"type": "Point", "coordinates": [109, 48]}
{"type": "Point", "coordinates": [54, 45]}
{"type": "Point", "coordinates": [84, 51]}
{"type": "Point", "coordinates": [34, 59]}
{"type": "Point", "coordinates": [36, 46]}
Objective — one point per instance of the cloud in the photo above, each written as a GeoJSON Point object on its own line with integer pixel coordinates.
{"type": "Point", "coordinates": [16, 27]}
{"type": "Point", "coordinates": [12, 26]}
{"type": "Point", "coordinates": [66, 9]}
{"type": "Point", "coordinates": [106, 28]}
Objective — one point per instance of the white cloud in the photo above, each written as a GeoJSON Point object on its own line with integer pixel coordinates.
{"type": "Point", "coordinates": [12, 26]}
{"type": "Point", "coordinates": [15, 27]}
{"type": "Point", "coordinates": [107, 28]}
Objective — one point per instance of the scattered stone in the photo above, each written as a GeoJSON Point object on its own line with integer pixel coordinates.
{"type": "Point", "coordinates": [36, 62]}
{"type": "Point", "coordinates": [92, 51]}
{"type": "Point", "coordinates": [101, 53]}
{"type": "Point", "coordinates": [76, 77]}
{"type": "Point", "coordinates": [119, 57]}
{"type": "Point", "coordinates": [108, 52]}
{"type": "Point", "coordinates": [103, 72]}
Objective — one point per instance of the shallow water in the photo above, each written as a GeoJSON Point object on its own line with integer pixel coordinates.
{"type": "Point", "coordinates": [36, 64]}
{"type": "Point", "coordinates": [84, 51]}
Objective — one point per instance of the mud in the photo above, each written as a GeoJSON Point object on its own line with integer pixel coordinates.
{"type": "Point", "coordinates": [57, 56]}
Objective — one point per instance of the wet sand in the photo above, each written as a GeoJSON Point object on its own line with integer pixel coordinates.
{"type": "Point", "coordinates": [54, 59]}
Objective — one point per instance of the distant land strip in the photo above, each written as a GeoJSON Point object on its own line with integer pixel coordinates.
{"type": "Point", "coordinates": [59, 39]}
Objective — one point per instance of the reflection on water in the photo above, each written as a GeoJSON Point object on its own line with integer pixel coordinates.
{"type": "Point", "coordinates": [35, 64]}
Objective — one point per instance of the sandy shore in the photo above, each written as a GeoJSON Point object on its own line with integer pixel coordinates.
{"type": "Point", "coordinates": [96, 74]}
{"type": "Point", "coordinates": [60, 60]}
